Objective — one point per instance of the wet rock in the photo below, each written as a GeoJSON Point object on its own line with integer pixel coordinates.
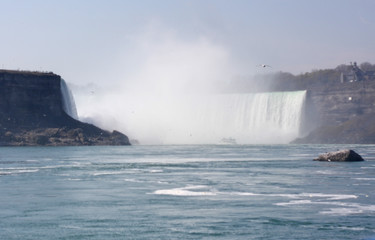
{"type": "Point", "coordinates": [346, 155]}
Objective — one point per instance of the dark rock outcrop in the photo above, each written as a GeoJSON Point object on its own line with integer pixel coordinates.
{"type": "Point", "coordinates": [345, 155]}
{"type": "Point", "coordinates": [32, 114]}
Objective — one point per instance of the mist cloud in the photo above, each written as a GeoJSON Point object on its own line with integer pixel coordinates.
{"type": "Point", "coordinates": [147, 97]}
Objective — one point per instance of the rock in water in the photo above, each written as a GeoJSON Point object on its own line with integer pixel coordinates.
{"type": "Point", "coordinates": [345, 155]}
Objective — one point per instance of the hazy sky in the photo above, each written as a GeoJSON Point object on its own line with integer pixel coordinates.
{"type": "Point", "coordinates": [88, 41]}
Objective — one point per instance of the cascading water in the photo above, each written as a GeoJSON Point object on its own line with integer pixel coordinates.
{"type": "Point", "coordinates": [253, 118]}
{"type": "Point", "coordinates": [69, 105]}
{"type": "Point", "coordinates": [260, 118]}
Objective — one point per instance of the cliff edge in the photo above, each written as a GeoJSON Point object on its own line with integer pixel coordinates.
{"type": "Point", "coordinates": [32, 114]}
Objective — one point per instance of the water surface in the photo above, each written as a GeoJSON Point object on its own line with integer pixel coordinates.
{"type": "Point", "coordinates": [185, 192]}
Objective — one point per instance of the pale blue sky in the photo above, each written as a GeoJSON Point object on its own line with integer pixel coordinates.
{"type": "Point", "coordinates": [89, 41]}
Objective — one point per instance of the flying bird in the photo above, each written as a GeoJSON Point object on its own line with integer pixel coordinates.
{"type": "Point", "coordinates": [264, 65]}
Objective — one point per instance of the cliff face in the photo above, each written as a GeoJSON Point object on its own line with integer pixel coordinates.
{"type": "Point", "coordinates": [31, 113]}
{"type": "Point", "coordinates": [29, 100]}
{"type": "Point", "coordinates": [343, 101]}
{"type": "Point", "coordinates": [344, 113]}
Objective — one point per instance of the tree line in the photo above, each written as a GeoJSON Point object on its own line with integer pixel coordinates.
{"type": "Point", "coordinates": [285, 81]}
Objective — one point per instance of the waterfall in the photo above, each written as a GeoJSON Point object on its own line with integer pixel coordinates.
{"type": "Point", "coordinates": [69, 105]}
{"type": "Point", "coordinates": [252, 118]}
{"type": "Point", "coordinates": [260, 118]}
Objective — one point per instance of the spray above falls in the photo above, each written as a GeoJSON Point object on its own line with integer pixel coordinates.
{"type": "Point", "coordinates": [166, 92]}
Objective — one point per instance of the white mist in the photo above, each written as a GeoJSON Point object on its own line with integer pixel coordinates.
{"type": "Point", "coordinates": [168, 94]}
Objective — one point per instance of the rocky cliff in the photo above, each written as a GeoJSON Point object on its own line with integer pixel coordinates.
{"type": "Point", "coordinates": [31, 113]}
{"type": "Point", "coordinates": [342, 112]}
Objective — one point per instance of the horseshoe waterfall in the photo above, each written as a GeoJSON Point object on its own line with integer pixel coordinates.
{"type": "Point", "coordinates": [256, 118]}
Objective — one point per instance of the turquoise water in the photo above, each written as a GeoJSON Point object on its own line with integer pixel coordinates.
{"type": "Point", "coordinates": [185, 192]}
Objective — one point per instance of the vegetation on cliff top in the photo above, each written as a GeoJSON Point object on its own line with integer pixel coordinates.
{"type": "Point", "coordinates": [284, 81]}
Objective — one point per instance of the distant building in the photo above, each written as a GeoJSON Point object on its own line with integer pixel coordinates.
{"type": "Point", "coordinates": [354, 74]}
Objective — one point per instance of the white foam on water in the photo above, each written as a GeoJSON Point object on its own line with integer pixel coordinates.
{"type": "Point", "coordinates": [27, 171]}
{"type": "Point", "coordinates": [341, 211]}
{"type": "Point", "coordinates": [119, 172]}
{"type": "Point", "coordinates": [365, 179]}
{"type": "Point", "coordinates": [74, 179]}
{"type": "Point", "coordinates": [360, 208]}
{"type": "Point", "coordinates": [328, 196]}
{"type": "Point", "coordinates": [242, 193]}
{"type": "Point", "coordinates": [352, 228]}
{"type": "Point", "coordinates": [343, 208]}
{"type": "Point", "coordinates": [186, 191]}
{"type": "Point", "coordinates": [36, 161]}
{"type": "Point", "coordinates": [294, 202]}
{"type": "Point", "coordinates": [368, 167]}
{"type": "Point", "coordinates": [12, 171]}
{"type": "Point", "coordinates": [103, 173]}
{"type": "Point", "coordinates": [132, 180]}
{"type": "Point", "coordinates": [162, 182]}
{"type": "Point", "coordinates": [304, 198]}
{"type": "Point", "coordinates": [313, 195]}
{"type": "Point", "coordinates": [326, 172]}
{"type": "Point", "coordinates": [156, 171]}
{"type": "Point", "coordinates": [316, 198]}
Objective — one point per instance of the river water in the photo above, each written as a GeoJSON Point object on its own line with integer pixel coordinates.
{"type": "Point", "coordinates": [186, 192]}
